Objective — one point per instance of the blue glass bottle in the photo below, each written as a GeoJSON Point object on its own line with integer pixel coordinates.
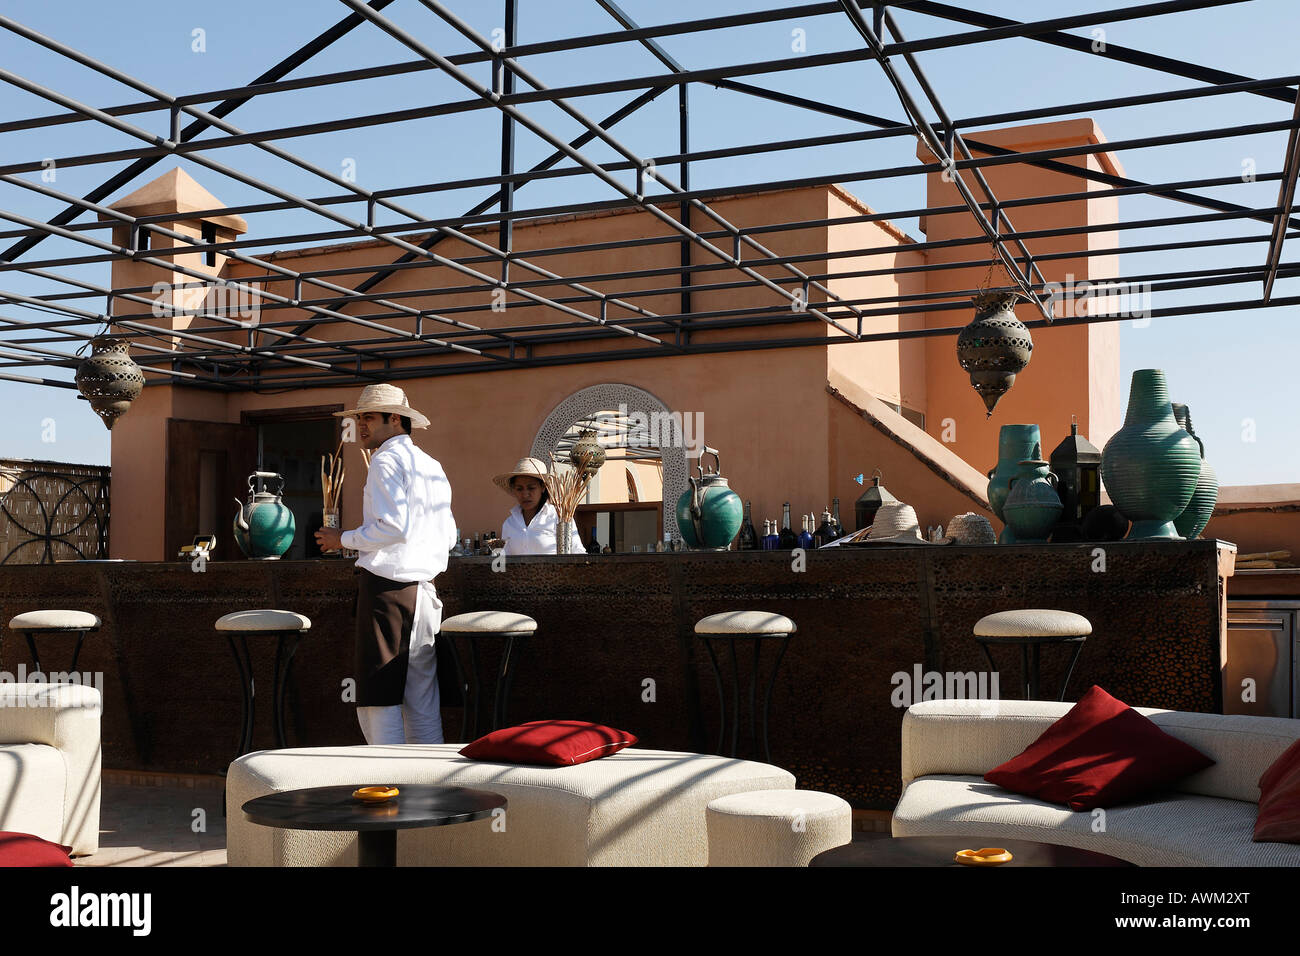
{"type": "Point", "coordinates": [805, 536]}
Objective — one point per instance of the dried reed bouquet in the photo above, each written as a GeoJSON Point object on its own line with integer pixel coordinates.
{"type": "Point", "coordinates": [569, 486]}
{"type": "Point", "coordinates": [332, 474]}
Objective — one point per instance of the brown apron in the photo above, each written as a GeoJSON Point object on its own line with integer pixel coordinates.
{"type": "Point", "coordinates": [385, 614]}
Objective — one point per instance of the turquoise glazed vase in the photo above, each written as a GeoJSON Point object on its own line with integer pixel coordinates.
{"type": "Point", "coordinates": [1033, 506]}
{"type": "Point", "coordinates": [709, 513]}
{"type": "Point", "coordinates": [1016, 443]}
{"type": "Point", "coordinates": [1197, 513]}
{"type": "Point", "coordinates": [264, 527]}
{"type": "Point", "coordinates": [1150, 466]}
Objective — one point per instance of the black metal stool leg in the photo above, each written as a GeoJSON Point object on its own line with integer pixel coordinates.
{"type": "Point", "coordinates": [31, 645]}
{"type": "Point", "coordinates": [1074, 659]}
{"type": "Point", "coordinates": [1036, 652]}
{"type": "Point", "coordinates": [506, 679]}
{"type": "Point", "coordinates": [1024, 672]}
{"type": "Point", "coordinates": [288, 641]}
{"type": "Point", "coordinates": [735, 699]}
{"type": "Point", "coordinates": [472, 705]}
{"type": "Point", "coordinates": [767, 698]}
{"type": "Point", "coordinates": [722, 699]}
{"type": "Point", "coordinates": [245, 691]}
{"type": "Point", "coordinates": [76, 651]}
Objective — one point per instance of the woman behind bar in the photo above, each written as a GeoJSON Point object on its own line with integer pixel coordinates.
{"type": "Point", "coordinates": [530, 526]}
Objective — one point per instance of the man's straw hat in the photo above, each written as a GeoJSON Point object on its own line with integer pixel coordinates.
{"type": "Point", "coordinates": [532, 468]}
{"type": "Point", "coordinates": [895, 523]}
{"type": "Point", "coordinates": [385, 399]}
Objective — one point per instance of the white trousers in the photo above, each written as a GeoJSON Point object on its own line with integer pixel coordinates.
{"type": "Point", "coordinates": [418, 720]}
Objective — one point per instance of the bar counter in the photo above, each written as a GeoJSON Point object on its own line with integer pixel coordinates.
{"type": "Point", "coordinates": [615, 642]}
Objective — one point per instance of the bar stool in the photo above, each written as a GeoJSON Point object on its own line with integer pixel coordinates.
{"type": "Point", "coordinates": [776, 827]}
{"type": "Point", "coordinates": [34, 624]}
{"type": "Point", "coordinates": [731, 628]}
{"type": "Point", "coordinates": [474, 626]}
{"type": "Point", "coordinates": [287, 628]}
{"type": "Point", "coordinates": [1031, 628]}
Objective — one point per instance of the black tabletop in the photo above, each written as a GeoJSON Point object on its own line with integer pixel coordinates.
{"type": "Point", "coordinates": [938, 851]}
{"type": "Point", "coordinates": [334, 808]}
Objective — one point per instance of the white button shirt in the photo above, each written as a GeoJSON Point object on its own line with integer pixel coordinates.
{"type": "Point", "coordinates": [538, 536]}
{"type": "Point", "coordinates": [408, 527]}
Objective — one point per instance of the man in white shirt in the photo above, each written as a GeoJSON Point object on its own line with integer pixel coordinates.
{"type": "Point", "coordinates": [406, 533]}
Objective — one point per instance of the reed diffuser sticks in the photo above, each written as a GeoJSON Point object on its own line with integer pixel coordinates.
{"type": "Point", "coordinates": [569, 486]}
{"type": "Point", "coordinates": [332, 474]}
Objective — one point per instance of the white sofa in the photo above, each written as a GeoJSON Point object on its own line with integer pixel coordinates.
{"type": "Point", "coordinates": [632, 808]}
{"type": "Point", "coordinates": [50, 763]}
{"type": "Point", "coordinates": [1205, 820]}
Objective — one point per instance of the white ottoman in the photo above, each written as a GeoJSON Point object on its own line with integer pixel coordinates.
{"type": "Point", "coordinates": [776, 827]}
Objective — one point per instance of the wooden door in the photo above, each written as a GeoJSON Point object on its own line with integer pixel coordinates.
{"type": "Point", "coordinates": [208, 464]}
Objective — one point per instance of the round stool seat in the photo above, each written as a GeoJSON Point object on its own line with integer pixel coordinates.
{"type": "Point", "coordinates": [489, 622]}
{"type": "Point", "coordinates": [1033, 622]}
{"type": "Point", "coordinates": [744, 623]}
{"type": "Point", "coordinates": [264, 619]}
{"type": "Point", "coordinates": [54, 620]}
{"type": "Point", "coordinates": [776, 827]}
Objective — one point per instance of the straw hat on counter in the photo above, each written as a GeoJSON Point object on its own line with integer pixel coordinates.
{"type": "Point", "coordinates": [385, 399]}
{"type": "Point", "coordinates": [895, 523]}
{"type": "Point", "coordinates": [526, 467]}
{"type": "Point", "coordinates": [971, 528]}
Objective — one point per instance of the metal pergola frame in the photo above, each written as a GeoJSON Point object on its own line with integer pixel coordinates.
{"type": "Point", "coordinates": [714, 253]}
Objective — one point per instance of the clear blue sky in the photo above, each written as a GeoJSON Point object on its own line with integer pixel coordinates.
{"type": "Point", "coordinates": [1229, 367]}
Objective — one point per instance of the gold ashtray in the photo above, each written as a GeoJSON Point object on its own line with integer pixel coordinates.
{"type": "Point", "coordinates": [987, 856]}
{"type": "Point", "coordinates": [375, 794]}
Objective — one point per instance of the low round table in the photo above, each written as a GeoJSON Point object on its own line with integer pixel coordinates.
{"type": "Point", "coordinates": [938, 851]}
{"type": "Point", "coordinates": [376, 825]}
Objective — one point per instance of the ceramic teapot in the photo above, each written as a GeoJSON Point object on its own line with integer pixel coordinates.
{"type": "Point", "coordinates": [709, 513]}
{"type": "Point", "coordinates": [264, 526]}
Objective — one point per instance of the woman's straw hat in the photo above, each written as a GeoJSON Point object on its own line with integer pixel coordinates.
{"type": "Point", "coordinates": [387, 399]}
{"type": "Point", "coordinates": [532, 468]}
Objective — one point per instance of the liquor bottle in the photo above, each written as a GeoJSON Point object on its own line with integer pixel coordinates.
{"type": "Point", "coordinates": [805, 536]}
{"type": "Point", "coordinates": [773, 538]}
{"type": "Point", "coordinates": [827, 529]}
{"type": "Point", "coordinates": [788, 539]}
{"type": "Point", "coordinates": [835, 518]}
{"type": "Point", "coordinates": [748, 538]}
{"type": "Point", "coordinates": [593, 546]}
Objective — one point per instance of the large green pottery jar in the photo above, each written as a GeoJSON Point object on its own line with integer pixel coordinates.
{"type": "Point", "coordinates": [1150, 466]}
{"type": "Point", "coordinates": [709, 513]}
{"type": "Point", "coordinates": [264, 526]}
{"type": "Point", "coordinates": [1016, 443]}
{"type": "Point", "coordinates": [1197, 513]}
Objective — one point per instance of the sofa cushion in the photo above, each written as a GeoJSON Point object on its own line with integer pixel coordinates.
{"type": "Point", "coordinates": [634, 808]}
{"type": "Point", "coordinates": [554, 743]}
{"type": "Point", "coordinates": [1101, 753]}
{"type": "Point", "coordinates": [1177, 830]}
{"type": "Point", "coordinates": [1279, 799]}
{"type": "Point", "coordinates": [24, 849]}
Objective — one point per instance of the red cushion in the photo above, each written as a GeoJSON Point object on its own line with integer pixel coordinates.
{"type": "Point", "coordinates": [1279, 800]}
{"type": "Point", "coordinates": [23, 849]}
{"type": "Point", "coordinates": [560, 743]}
{"type": "Point", "coordinates": [1100, 754]}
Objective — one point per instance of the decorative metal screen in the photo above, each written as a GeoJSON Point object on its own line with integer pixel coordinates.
{"type": "Point", "coordinates": [51, 511]}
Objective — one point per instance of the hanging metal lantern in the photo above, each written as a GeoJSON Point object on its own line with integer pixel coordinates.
{"type": "Point", "coordinates": [109, 379]}
{"type": "Point", "coordinates": [995, 346]}
{"type": "Point", "coordinates": [587, 445]}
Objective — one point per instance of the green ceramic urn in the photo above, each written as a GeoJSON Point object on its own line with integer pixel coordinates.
{"type": "Point", "coordinates": [264, 526]}
{"type": "Point", "coordinates": [709, 513]}
{"type": "Point", "coordinates": [1150, 466]}
{"type": "Point", "coordinates": [1016, 443]}
{"type": "Point", "coordinates": [1033, 505]}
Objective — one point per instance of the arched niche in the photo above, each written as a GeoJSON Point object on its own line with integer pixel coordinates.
{"type": "Point", "coordinates": [597, 398]}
